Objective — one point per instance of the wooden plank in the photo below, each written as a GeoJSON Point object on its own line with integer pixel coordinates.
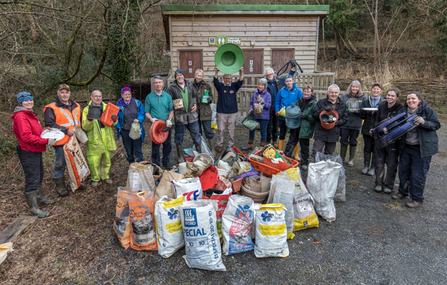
{"type": "Point", "coordinates": [230, 30]}
{"type": "Point", "coordinates": [264, 44]}
{"type": "Point", "coordinates": [11, 232]}
{"type": "Point", "coordinates": [243, 21]}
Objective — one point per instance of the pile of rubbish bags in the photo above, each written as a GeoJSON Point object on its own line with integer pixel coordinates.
{"type": "Point", "coordinates": [239, 203]}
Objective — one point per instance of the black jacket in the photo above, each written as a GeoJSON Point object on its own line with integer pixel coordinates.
{"type": "Point", "coordinates": [384, 112]}
{"type": "Point", "coordinates": [368, 116]}
{"type": "Point", "coordinates": [354, 121]}
{"type": "Point", "coordinates": [333, 134]}
{"type": "Point", "coordinates": [428, 139]}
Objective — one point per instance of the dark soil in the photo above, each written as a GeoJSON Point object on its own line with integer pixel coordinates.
{"type": "Point", "coordinates": [375, 240]}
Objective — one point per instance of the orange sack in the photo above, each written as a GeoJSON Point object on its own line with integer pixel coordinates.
{"type": "Point", "coordinates": [106, 117]}
{"type": "Point", "coordinates": [122, 225]}
{"type": "Point", "coordinates": [141, 206]}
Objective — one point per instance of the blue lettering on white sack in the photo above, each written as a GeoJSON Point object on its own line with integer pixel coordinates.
{"type": "Point", "coordinates": [190, 217]}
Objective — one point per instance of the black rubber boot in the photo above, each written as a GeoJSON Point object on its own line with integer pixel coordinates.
{"type": "Point", "coordinates": [352, 150]}
{"type": "Point", "coordinates": [212, 143]}
{"type": "Point", "coordinates": [199, 148]}
{"type": "Point", "coordinates": [366, 159]}
{"type": "Point", "coordinates": [60, 186]}
{"type": "Point", "coordinates": [343, 150]}
{"type": "Point", "coordinates": [41, 199]}
{"type": "Point", "coordinates": [180, 154]}
{"type": "Point", "coordinates": [31, 199]}
{"type": "Point", "coordinates": [372, 170]}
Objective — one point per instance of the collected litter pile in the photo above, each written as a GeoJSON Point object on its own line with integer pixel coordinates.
{"type": "Point", "coordinates": [246, 202]}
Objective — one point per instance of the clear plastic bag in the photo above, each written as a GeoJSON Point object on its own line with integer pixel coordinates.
{"type": "Point", "coordinates": [135, 131]}
{"type": "Point", "coordinates": [205, 148]}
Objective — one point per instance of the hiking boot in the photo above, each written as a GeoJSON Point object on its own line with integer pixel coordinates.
{"type": "Point", "coordinates": [378, 189]}
{"type": "Point", "coordinates": [275, 144]}
{"type": "Point", "coordinates": [60, 186]}
{"type": "Point", "coordinates": [31, 200]}
{"type": "Point", "coordinates": [95, 183]}
{"type": "Point", "coordinates": [398, 195]}
{"type": "Point", "coordinates": [387, 190]}
{"type": "Point", "coordinates": [218, 149]}
{"type": "Point", "coordinates": [263, 144]}
{"type": "Point", "coordinates": [41, 199]}
{"type": "Point", "coordinates": [108, 181]}
{"type": "Point", "coordinates": [413, 204]}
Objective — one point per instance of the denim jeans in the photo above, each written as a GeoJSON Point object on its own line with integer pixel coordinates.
{"type": "Point", "coordinates": [206, 126]}
{"type": "Point", "coordinates": [193, 129]}
{"type": "Point", "coordinates": [132, 146]}
{"type": "Point", "coordinates": [263, 124]}
{"type": "Point", "coordinates": [167, 147]}
{"type": "Point", "coordinates": [59, 162]}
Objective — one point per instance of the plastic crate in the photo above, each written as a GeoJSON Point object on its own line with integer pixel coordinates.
{"type": "Point", "coordinates": [239, 152]}
{"type": "Point", "coordinates": [269, 168]}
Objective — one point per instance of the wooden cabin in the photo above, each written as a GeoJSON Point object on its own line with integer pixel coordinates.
{"type": "Point", "coordinates": [269, 35]}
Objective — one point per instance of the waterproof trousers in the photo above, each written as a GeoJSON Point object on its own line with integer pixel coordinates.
{"type": "Point", "coordinates": [294, 138]}
{"type": "Point", "coordinates": [272, 128]}
{"type": "Point", "coordinates": [413, 168]}
{"type": "Point", "coordinates": [349, 136]}
{"type": "Point", "coordinates": [99, 166]}
{"type": "Point", "coordinates": [32, 165]}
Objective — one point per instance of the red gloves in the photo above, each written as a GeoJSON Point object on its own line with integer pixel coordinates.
{"type": "Point", "coordinates": [114, 118]}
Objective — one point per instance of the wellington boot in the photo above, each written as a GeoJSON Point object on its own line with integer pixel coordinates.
{"type": "Point", "coordinates": [212, 145]}
{"type": "Point", "coordinates": [31, 199]}
{"type": "Point", "coordinates": [281, 145]}
{"type": "Point", "coordinates": [372, 170]}
{"type": "Point", "coordinates": [343, 150]}
{"type": "Point", "coordinates": [60, 186]}
{"type": "Point", "coordinates": [296, 152]}
{"type": "Point", "coordinates": [366, 159]}
{"type": "Point", "coordinates": [352, 150]}
{"type": "Point", "coordinates": [249, 145]}
{"type": "Point", "coordinates": [180, 154]}
{"type": "Point", "coordinates": [199, 148]}
{"type": "Point", "coordinates": [41, 197]}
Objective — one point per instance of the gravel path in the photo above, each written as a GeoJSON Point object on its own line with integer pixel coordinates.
{"type": "Point", "coordinates": [375, 240]}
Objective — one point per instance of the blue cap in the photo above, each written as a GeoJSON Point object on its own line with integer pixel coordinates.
{"type": "Point", "coordinates": [24, 96]}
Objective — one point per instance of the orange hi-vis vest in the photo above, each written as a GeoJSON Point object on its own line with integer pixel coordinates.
{"type": "Point", "coordinates": [66, 119]}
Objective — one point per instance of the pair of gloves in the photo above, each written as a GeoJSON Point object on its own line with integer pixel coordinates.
{"type": "Point", "coordinates": [168, 122]}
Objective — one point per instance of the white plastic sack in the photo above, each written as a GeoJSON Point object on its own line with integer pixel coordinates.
{"type": "Point", "coordinates": [191, 188]}
{"type": "Point", "coordinates": [213, 113]}
{"type": "Point", "coordinates": [284, 194]}
{"type": "Point", "coordinates": [340, 194]}
{"type": "Point", "coordinates": [169, 225]}
{"type": "Point", "coordinates": [140, 178]}
{"type": "Point", "coordinates": [202, 243]}
{"type": "Point", "coordinates": [237, 221]}
{"type": "Point", "coordinates": [271, 231]}
{"type": "Point", "coordinates": [322, 179]}
{"type": "Point", "coordinates": [255, 208]}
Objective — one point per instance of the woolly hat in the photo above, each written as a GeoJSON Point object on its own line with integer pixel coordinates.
{"type": "Point", "coordinates": [24, 96]}
{"type": "Point", "coordinates": [179, 71]}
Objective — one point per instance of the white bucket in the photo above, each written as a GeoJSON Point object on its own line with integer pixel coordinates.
{"type": "Point", "coordinates": [80, 134]}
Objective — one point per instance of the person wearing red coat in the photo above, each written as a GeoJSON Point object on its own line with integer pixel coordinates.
{"type": "Point", "coordinates": [28, 129]}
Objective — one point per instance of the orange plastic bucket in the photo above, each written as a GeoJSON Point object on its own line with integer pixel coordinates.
{"type": "Point", "coordinates": [106, 117]}
{"type": "Point", "coordinates": [157, 134]}
{"type": "Point", "coordinates": [328, 126]}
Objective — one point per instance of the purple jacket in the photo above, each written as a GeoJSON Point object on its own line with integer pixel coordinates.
{"type": "Point", "coordinates": [267, 104]}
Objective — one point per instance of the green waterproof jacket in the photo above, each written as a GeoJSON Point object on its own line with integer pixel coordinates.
{"type": "Point", "coordinates": [100, 139]}
{"type": "Point", "coordinates": [308, 125]}
{"type": "Point", "coordinates": [205, 113]}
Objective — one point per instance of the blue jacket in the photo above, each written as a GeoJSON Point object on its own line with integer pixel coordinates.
{"type": "Point", "coordinates": [286, 97]}
{"type": "Point", "coordinates": [227, 96]}
{"type": "Point", "coordinates": [141, 117]}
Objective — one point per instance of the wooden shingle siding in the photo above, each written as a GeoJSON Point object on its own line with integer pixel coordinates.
{"type": "Point", "coordinates": [268, 32]}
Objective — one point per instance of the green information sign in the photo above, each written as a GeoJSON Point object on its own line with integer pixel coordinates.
{"type": "Point", "coordinates": [221, 40]}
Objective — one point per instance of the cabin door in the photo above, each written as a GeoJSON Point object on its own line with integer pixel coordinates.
{"type": "Point", "coordinates": [190, 60]}
{"type": "Point", "coordinates": [280, 57]}
{"type": "Point", "coordinates": [253, 64]}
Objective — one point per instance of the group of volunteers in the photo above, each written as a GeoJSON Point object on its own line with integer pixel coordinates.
{"type": "Point", "coordinates": [186, 105]}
